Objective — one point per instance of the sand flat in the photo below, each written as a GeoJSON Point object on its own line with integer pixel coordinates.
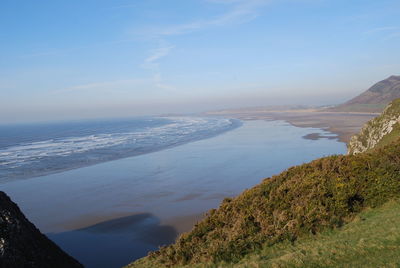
{"type": "Point", "coordinates": [344, 124]}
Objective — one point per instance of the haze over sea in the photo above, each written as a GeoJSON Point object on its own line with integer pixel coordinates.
{"type": "Point", "coordinates": [108, 213]}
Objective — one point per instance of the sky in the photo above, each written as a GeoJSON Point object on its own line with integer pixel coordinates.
{"type": "Point", "coordinates": [77, 59]}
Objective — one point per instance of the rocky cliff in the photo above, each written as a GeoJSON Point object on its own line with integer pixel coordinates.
{"type": "Point", "coordinates": [23, 245]}
{"type": "Point", "coordinates": [379, 131]}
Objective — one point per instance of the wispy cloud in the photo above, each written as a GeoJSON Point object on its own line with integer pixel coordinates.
{"type": "Point", "coordinates": [151, 62]}
{"type": "Point", "coordinates": [239, 11]}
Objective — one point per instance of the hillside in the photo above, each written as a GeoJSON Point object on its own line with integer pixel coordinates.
{"type": "Point", "coordinates": [23, 245]}
{"type": "Point", "coordinates": [374, 99]}
{"type": "Point", "coordinates": [296, 205]}
{"type": "Point", "coordinates": [372, 239]}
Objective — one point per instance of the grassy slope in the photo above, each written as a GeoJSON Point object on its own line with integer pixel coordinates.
{"type": "Point", "coordinates": [372, 239]}
{"type": "Point", "coordinates": [389, 138]}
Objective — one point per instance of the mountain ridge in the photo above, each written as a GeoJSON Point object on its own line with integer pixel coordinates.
{"type": "Point", "coordinates": [374, 99]}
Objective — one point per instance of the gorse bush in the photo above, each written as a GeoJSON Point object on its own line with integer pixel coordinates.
{"type": "Point", "coordinates": [325, 193]}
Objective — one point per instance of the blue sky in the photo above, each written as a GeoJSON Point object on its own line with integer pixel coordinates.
{"type": "Point", "coordinates": [95, 58]}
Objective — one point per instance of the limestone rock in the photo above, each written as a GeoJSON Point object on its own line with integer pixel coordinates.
{"type": "Point", "coordinates": [376, 130]}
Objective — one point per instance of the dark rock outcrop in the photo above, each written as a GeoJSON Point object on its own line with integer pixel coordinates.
{"type": "Point", "coordinates": [23, 245]}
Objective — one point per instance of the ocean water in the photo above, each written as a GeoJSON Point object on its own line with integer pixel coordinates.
{"type": "Point", "coordinates": [113, 212]}
{"type": "Point", "coordinates": [37, 149]}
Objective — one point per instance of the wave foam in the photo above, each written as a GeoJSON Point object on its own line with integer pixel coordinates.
{"type": "Point", "coordinates": [177, 131]}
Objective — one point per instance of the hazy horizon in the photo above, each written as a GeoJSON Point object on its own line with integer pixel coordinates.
{"type": "Point", "coordinates": [94, 59]}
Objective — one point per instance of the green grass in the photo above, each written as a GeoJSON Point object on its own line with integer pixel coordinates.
{"type": "Point", "coordinates": [389, 138]}
{"type": "Point", "coordinates": [372, 239]}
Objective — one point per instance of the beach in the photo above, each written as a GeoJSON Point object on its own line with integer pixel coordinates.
{"type": "Point", "coordinates": [109, 214]}
{"type": "Point", "coordinates": [343, 124]}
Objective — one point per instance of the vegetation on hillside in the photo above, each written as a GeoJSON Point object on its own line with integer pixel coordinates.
{"type": "Point", "coordinates": [372, 239]}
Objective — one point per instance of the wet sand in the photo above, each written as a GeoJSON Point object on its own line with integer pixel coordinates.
{"type": "Point", "coordinates": [125, 239]}
{"type": "Point", "coordinates": [343, 124]}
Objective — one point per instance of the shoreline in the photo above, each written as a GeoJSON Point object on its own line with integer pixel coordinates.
{"type": "Point", "coordinates": [235, 123]}
{"type": "Point", "coordinates": [343, 124]}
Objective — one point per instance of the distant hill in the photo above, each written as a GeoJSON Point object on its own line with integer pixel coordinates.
{"type": "Point", "coordinates": [316, 213]}
{"type": "Point", "coordinates": [374, 99]}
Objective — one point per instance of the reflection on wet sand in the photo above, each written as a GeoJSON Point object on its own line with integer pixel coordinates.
{"type": "Point", "coordinates": [116, 242]}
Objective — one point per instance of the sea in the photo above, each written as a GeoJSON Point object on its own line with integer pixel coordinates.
{"type": "Point", "coordinates": [37, 149]}
{"type": "Point", "coordinates": [109, 191]}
